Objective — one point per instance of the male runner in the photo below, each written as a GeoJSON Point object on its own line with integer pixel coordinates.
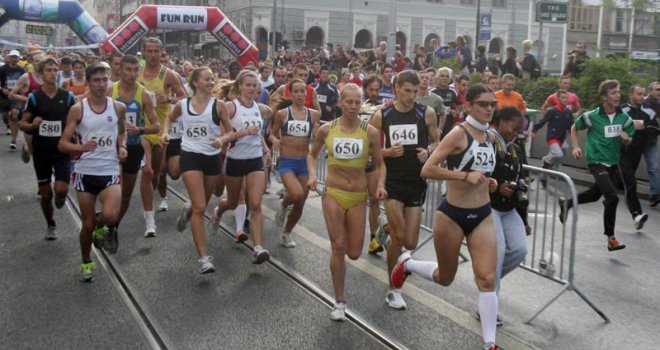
{"type": "Point", "coordinates": [9, 75]}
{"type": "Point", "coordinates": [138, 106]}
{"type": "Point", "coordinates": [45, 117]}
{"type": "Point", "coordinates": [410, 133]}
{"type": "Point", "coordinates": [27, 83]}
{"type": "Point", "coordinates": [166, 89]}
{"type": "Point", "coordinates": [98, 125]}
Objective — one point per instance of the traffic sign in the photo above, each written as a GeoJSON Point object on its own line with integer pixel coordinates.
{"type": "Point", "coordinates": [552, 12]}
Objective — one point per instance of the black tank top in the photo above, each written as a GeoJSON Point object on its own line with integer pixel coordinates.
{"type": "Point", "coordinates": [298, 128]}
{"type": "Point", "coordinates": [478, 156]}
{"type": "Point", "coordinates": [409, 129]}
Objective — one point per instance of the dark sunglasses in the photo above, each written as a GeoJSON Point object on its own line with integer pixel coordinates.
{"type": "Point", "coordinates": [484, 104]}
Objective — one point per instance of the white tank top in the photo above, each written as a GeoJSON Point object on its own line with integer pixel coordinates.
{"type": "Point", "coordinates": [199, 130]}
{"type": "Point", "coordinates": [247, 147]}
{"type": "Point", "coordinates": [102, 127]}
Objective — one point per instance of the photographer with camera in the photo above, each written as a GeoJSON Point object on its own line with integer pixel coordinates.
{"type": "Point", "coordinates": [509, 201]}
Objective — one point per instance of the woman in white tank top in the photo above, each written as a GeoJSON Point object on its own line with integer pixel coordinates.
{"type": "Point", "coordinates": [206, 128]}
{"type": "Point", "coordinates": [244, 159]}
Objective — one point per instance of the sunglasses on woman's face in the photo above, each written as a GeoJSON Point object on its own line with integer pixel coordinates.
{"type": "Point", "coordinates": [484, 104]}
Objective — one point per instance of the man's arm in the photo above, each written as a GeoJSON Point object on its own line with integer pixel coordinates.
{"type": "Point", "coordinates": [15, 93]}
{"type": "Point", "coordinates": [173, 85]}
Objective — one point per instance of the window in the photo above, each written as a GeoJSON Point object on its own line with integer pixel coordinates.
{"type": "Point", "coordinates": [583, 18]}
{"type": "Point", "coordinates": [620, 21]}
{"type": "Point", "coordinates": [435, 1]}
{"type": "Point", "coordinates": [499, 3]}
{"type": "Point", "coordinates": [467, 2]}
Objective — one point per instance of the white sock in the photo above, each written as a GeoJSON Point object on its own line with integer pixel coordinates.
{"type": "Point", "coordinates": [423, 268]}
{"type": "Point", "coordinates": [487, 305]}
{"type": "Point", "coordinates": [149, 217]}
{"type": "Point", "coordinates": [239, 215]}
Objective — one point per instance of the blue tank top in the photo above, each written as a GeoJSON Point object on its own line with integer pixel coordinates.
{"type": "Point", "coordinates": [297, 128]}
{"type": "Point", "coordinates": [478, 156]}
{"type": "Point", "coordinates": [134, 111]}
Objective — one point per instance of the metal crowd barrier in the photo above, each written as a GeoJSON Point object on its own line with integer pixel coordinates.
{"type": "Point", "coordinates": [551, 247]}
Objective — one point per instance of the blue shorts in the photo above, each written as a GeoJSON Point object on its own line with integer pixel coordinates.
{"type": "Point", "coordinates": [94, 184]}
{"type": "Point", "coordinates": [297, 166]}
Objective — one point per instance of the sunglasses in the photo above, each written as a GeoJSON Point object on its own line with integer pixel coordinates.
{"type": "Point", "coordinates": [484, 104]}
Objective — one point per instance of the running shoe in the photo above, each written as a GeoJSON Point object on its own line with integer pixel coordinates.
{"type": "Point", "coordinates": [260, 255]}
{"type": "Point", "coordinates": [286, 240]}
{"type": "Point", "coordinates": [492, 347]}
{"type": "Point", "coordinates": [25, 154]}
{"type": "Point", "coordinates": [654, 200]}
{"type": "Point", "coordinates": [614, 244]}
{"type": "Point", "coordinates": [87, 272]}
{"type": "Point", "coordinates": [240, 236]}
{"type": "Point", "coordinates": [111, 241]}
{"type": "Point", "coordinates": [99, 235]}
{"type": "Point", "coordinates": [280, 216]}
{"type": "Point", "coordinates": [399, 273]}
{"type": "Point", "coordinates": [640, 220]}
{"type": "Point", "coordinates": [59, 202]}
{"type": "Point", "coordinates": [338, 313]}
{"type": "Point", "coordinates": [563, 210]}
{"type": "Point", "coordinates": [51, 235]}
{"type": "Point", "coordinates": [163, 206]}
{"type": "Point", "coordinates": [268, 188]}
{"type": "Point", "coordinates": [182, 221]}
{"type": "Point", "coordinates": [205, 265]}
{"type": "Point", "coordinates": [381, 233]}
{"type": "Point", "coordinates": [215, 221]}
{"type": "Point", "coordinates": [246, 225]}
{"type": "Point", "coordinates": [374, 247]}
{"type": "Point", "coordinates": [395, 300]}
{"type": "Point", "coordinates": [498, 321]}
{"type": "Point", "coordinates": [12, 146]}
{"type": "Point", "coordinates": [150, 232]}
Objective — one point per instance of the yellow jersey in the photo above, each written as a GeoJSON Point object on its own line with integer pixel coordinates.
{"type": "Point", "coordinates": [348, 150]}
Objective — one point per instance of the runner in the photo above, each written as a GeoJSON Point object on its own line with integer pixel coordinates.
{"type": "Point", "coordinates": [10, 73]}
{"type": "Point", "coordinates": [138, 106]}
{"type": "Point", "coordinates": [386, 90]}
{"type": "Point", "coordinates": [300, 71]}
{"type": "Point", "coordinates": [608, 127]}
{"type": "Point", "coordinates": [294, 123]}
{"type": "Point", "coordinates": [204, 135]}
{"type": "Point", "coordinates": [166, 89]}
{"type": "Point", "coordinates": [449, 96]}
{"type": "Point", "coordinates": [349, 141]}
{"type": "Point", "coordinates": [77, 84]}
{"type": "Point", "coordinates": [66, 71]}
{"type": "Point", "coordinates": [27, 83]}
{"type": "Point", "coordinates": [326, 93]}
{"type": "Point", "coordinates": [573, 102]}
{"type": "Point", "coordinates": [652, 102]}
{"type": "Point", "coordinates": [410, 132]}
{"type": "Point", "coordinates": [98, 125]}
{"type": "Point", "coordinates": [466, 211]}
{"type": "Point", "coordinates": [245, 160]}
{"type": "Point", "coordinates": [424, 97]}
{"type": "Point", "coordinates": [45, 116]}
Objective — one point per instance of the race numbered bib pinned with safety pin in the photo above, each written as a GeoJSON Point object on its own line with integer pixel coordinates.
{"type": "Point", "coordinates": [405, 134]}
{"type": "Point", "coordinates": [197, 131]}
{"type": "Point", "coordinates": [347, 148]}
{"type": "Point", "coordinates": [484, 159]}
{"type": "Point", "coordinates": [105, 141]}
{"type": "Point", "coordinates": [297, 128]}
{"type": "Point", "coordinates": [612, 131]}
{"type": "Point", "coordinates": [252, 121]}
{"type": "Point", "coordinates": [49, 128]}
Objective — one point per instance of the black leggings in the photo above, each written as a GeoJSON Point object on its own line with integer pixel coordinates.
{"type": "Point", "coordinates": [604, 186]}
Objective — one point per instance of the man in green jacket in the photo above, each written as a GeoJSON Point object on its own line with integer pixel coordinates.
{"type": "Point", "coordinates": [607, 127]}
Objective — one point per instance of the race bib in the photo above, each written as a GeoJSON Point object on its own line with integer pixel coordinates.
{"type": "Point", "coordinates": [105, 141]}
{"type": "Point", "coordinates": [347, 148]}
{"type": "Point", "coordinates": [49, 128]}
{"type": "Point", "coordinates": [405, 134]}
{"type": "Point", "coordinates": [612, 131]}
{"type": "Point", "coordinates": [297, 128]}
{"type": "Point", "coordinates": [175, 131]}
{"type": "Point", "coordinates": [11, 83]}
{"type": "Point", "coordinates": [447, 109]}
{"type": "Point", "coordinates": [131, 118]}
{"type": "Point", "coordinates": [365, 117]}
{"type": "Point", "coordinates": [197, 131]}
{"type": "Point", "coordinates": [322, 98]}
{"type": "Point", "coordinates": [484, 159]}
{"type": "Point", "coordinates": [252, 121]}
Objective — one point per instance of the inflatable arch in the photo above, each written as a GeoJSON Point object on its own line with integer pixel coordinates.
{"type": "Point", "coordinates": [55, 11]}
{"type": "Point", "coordinates": [211, 19]}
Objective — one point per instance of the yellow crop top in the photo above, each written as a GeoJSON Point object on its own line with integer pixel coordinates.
{"type": "Point", "coordinates": [348, 150]}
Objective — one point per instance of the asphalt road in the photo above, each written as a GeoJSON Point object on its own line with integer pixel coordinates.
{"type": "Point", "coordinates": [151, 289]}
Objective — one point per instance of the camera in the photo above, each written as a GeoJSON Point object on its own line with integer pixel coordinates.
{"type": "Point", "coordinates": [520, 196]}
